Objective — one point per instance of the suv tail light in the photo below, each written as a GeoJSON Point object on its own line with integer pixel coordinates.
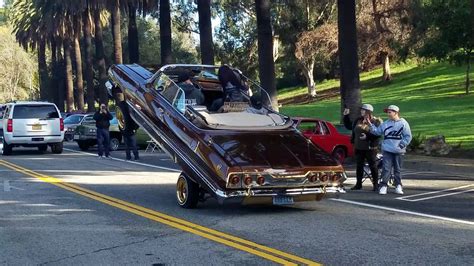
{"type": "Point", "coordinates": [61, 124]}
{"type": "Point", "coordinates": [10, 125]}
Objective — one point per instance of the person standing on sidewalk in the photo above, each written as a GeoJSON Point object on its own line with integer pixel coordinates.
{"type": "Point", "coordinates": [102, 122]}
{"type": "Point", "coordinates": [365, 143]}
{"type": "Point", "coordinates": [397, 135]}
{"type": "Point", "coordinates": [129, 132]}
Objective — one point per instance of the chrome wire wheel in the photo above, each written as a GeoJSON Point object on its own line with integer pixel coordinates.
{"type": "Point", "coordinates": [182, 190]}
{"type": "Point", "coordinates": [187, 192]}
{"type": "Point", "coordinates": [120, 118]}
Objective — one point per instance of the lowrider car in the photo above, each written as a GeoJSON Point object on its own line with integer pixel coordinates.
{"type": "Point", "coordinates": [243, 153]}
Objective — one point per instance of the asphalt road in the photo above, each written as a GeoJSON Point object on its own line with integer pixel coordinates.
{"type": "Point", "coordinates": [108, 211]}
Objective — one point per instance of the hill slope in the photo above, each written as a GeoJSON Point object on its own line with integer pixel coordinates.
{"type": "Point", "coordinates": [432, 99]}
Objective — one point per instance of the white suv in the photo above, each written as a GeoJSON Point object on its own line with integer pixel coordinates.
{"type": "Point", "coordinates": [32, 124]}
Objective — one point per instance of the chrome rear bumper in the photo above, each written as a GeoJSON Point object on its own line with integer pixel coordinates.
{"type": "Point", "coordinates": [265, 196]}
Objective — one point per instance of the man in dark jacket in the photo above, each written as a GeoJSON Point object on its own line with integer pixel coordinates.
{"type": "Point", "coordinates": [102, 122]}
{"type": "Point", "coordinates": [365, 144]}
{"type": "Point", "coordinates": [128, 133]}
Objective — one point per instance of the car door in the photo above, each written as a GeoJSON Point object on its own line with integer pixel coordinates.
{"type": "Point", "coordinates": [35, 120]}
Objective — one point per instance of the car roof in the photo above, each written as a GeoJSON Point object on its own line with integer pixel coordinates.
{"type": "Point", "coordinates": [307, 119]}
{"type": "Point", "coordinates": [31, 102]}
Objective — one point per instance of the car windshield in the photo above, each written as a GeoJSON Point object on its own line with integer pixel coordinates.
{"type": "Point", "coordinates": [73, 119]}
{"type": "Point", "coordinates": [39, 111]}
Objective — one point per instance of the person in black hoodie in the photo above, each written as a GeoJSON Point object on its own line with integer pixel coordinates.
{"type": "Point", "coordinates": [365, 144]}
{"type": "Point", "coordinates": [102, 122]}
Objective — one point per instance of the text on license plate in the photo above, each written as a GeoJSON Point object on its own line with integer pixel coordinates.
{"type": "Point", "coordinates": [76, 137]}
{"type": "Point", "coordinates": [36, 127]}
{"type": "Point", "coordinates": [282, 200]}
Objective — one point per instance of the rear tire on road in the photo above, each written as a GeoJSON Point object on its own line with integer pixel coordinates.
{"type": "Point", "coordinates": [187, 192]}
{"type": "Point", "coordinates": [43, 148]}
{"type": "Point", "coordinates": [339, 153]}
{"type": "Point", "coordinates": [7, 149]}
{"type": "Point", "coordinates": [57, 148]}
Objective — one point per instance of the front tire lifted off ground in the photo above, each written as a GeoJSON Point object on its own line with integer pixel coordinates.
{"type": "Point", "coordinates": [187, 192]}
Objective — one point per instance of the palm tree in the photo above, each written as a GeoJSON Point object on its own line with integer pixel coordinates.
{"type": "Point", "coordinates": [266, 65]}
{"type": "Point", "coordinates": [114, 8]}
{"type": "Point", "coordinates": [133, 7]}
{"type": "Point", "coordinates": [348, 59]}
{"type": "Point", "coordinates": [205, 32]}
{"type": "Point", "coordinates": [100, 56]}
{"type": "Point", "coordinates": [77, 23]}
{"type": "Point", "coordinates": [165, 32]}
{"type": "Point", "coordinates": [31, 34]}
{"type": "Point", "coordinates": [89, 73]}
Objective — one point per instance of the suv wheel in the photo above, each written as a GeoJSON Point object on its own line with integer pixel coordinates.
{"type": "Point", "coordinates": [43, 148]}
{"type": "Point", "coordinates": [83, 145]}
{"type": "Point", "coordinates": [7, 149]}
{"type": "Point", "coordinates": [57, 148]}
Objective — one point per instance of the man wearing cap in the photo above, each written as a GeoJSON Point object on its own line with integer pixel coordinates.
{"type": "Point", "coordinates": [365, 143]}
{"type": "Point", "coordinates": [397, 135]}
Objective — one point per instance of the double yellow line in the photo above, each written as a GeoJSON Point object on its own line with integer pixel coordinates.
{"type": "Point", "coordinates": [211, 234]}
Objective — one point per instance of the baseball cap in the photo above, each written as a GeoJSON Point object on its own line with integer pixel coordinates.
{"type": "Point", "coordinates": [367, 107]}
{"type": "Point", "coordinates": [392, 108]}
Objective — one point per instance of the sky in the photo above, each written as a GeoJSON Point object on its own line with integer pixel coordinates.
{"type": "Point", "coordinates": [1, 3]}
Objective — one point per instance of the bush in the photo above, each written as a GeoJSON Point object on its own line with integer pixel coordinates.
{"type": "Point", "coordinates": [417, 142]}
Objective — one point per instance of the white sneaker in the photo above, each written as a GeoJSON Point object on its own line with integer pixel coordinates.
{"type": "Point", "coordinates": [383, 190]}
{"type": "Point", "coordinates": [399, 189]}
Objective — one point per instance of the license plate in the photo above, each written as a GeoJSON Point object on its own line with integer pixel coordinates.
{"type": "Point", "coordinates": [36, 127]}
{"type": "Point", "coordinates": [283, 200]}
{"type": "Point", "coordinates": [76, 137]}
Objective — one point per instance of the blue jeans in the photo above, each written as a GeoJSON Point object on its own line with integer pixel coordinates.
{"type": "Point", "coordinates": [131, 144]}
{"type": "Point", "coordinates": [391, 160]}
{"type": "Point", "coordinates": [103, 141]}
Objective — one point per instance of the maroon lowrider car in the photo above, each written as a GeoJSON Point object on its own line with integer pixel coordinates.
{"type": "Point", "coordinates": [242, 153]}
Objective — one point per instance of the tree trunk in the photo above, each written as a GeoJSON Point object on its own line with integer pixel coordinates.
{"type": "Point", "coordinates": [205, 32]}
{"type": "Point", "coordinates": [53, 88]}
{"type": "Point", "coordinates": [348, 58]}
{"type": "Point", "coordinates": [89, 59]}
{"type": "Point", "coordinates": [387, 75]}
{"type": "Point", "coordinates": [100, 57]}
{"type": "Point", "coordinates": [133, 45]}
{"type": "Point", "coordinates": [116, 33]}
{"type": "Point", "coordinates": [69, 79]}
{"type": "Point", "coordinates": [43, 70]}
{"type": "Point", "coordinates": [165, 32]}
{"type": "Point", "coordinates": [60, 75]}
{"type": "Point", "coordinates": [266, 66]}
{"type": "Point", "coordinates": [78, 60]}
{"type": "Point", "coordinates": [468, 70]}
{"type": "Point", "coordinates": [308, 73]}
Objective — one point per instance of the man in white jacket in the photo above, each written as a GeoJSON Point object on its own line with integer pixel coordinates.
{"type": "Point", "coordinates": [397, 135]}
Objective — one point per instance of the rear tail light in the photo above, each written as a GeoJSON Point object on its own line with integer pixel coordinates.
{"type": "Point", "coordinates": [247, 180]}
{"type": "Point", "coordinates": [261, 180]}
{"type": "Point", "coordinates": [323, 177]}
{"type": "Point", "coordinates": [234, 179]}
{"type": "Point", "coordinates": [313, 178]}
{"type": "Point", "coordinates": [335, 177]}
{"type": "Point", "coordinates": [61, 124]}
{"type": "Point", "coordinates": [10, 125]}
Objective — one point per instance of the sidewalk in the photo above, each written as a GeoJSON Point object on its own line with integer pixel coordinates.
{"type": "Point", "coordinates": [452, 166]}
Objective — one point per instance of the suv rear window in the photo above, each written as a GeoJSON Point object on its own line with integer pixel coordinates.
{"type": "Point", "coordinates": [46, 111]}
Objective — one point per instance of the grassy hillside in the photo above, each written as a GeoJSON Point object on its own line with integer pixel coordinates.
{"type": "Point", "coordinates": [432, 99]}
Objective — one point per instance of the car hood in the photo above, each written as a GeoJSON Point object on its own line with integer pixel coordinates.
{"type": "Point", "coordinates": [277, 151]}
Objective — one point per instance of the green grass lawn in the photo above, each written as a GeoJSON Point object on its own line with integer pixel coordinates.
{"type": "Point", "coordinates": [431, 98]}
